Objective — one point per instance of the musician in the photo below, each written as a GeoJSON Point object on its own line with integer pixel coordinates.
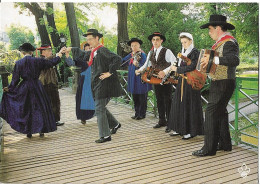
{"type": "Point", "coordinates": [49, 80]}
{"type": "Point", "coordinates": [186, 116]}
{"type": "Point", "coordinates": [217, 135]}
{"type": "Point", "coordinates": [104, 81]}
{"type": "Point", "coordinates": [160, 58]}
{"type": "Point", "coordinates": [135, 86]}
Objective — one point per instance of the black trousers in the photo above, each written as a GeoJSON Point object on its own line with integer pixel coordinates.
{"type": "Point", "coordinates": [216, 125]}
{"type": "Point", "coordinates": [163, 95]}
{"type": "Point", "coordinates": [140, 104]}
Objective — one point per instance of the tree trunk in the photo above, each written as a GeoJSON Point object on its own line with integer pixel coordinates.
{"type": "Point", "coordinates": [38, 13]}
{"type": "Point", "coordinates": [122, 31]}
{"type": "Point", "coordinates": [71, 19]}
{"type": "Point", "coordinates": [55, 37]}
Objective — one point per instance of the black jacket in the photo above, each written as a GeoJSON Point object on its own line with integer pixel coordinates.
{"type": "Point", "coordinates": [104, 61]}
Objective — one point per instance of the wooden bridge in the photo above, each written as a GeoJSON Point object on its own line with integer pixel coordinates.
{"type": "Point", "coordinates": [137, 154]}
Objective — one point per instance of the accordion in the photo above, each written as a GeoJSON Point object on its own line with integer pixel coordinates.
{"type": "Point", "coordinates": [211, 66]}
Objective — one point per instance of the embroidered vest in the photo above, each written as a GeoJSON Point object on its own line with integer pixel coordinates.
{"type": "Point", "coordinates": [161, 63]}
{"type": "Point", "coordinates": [221, 70]}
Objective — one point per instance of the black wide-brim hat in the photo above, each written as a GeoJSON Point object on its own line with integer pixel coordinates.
{"type": "Point", "coordinates": [150, 37]}
{"type": "Point", "coordinates": [217, 20]}
{"type": "Point", "coordinates": [93, 32]}
{"type": "Point", "coordinates": [26, 47]}
{"type": "Point", "coordinates": [134, 40]}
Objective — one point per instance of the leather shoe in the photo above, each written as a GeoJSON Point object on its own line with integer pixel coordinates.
{"type": "Point", "coordinates": [83, 122]}
{"type": "Point", "coordinates": [58, 123]}
{"type": "Point", "coordinates": [221, 148]}
{"type": "Point", "coordinates": [102, 139]}
{"type": "Point", "coordinates": [167, 130]}
{"type": "Point", "coordinates": [29, 135]}
{"type": "Point", "coordinates": [174, 134]}
{"type": "Point", "coordinates": [158, 125]}
{"type": "Point", "coordinates": [41, 134]}
{"type": "Point", "coordinates": [201, 153]}
{"type": "Point", "coordinates": [139, 117]}
{"type": "Point", "coordinates": [134, 117]}
{"type": "Point", "coordinates": [114, 130]}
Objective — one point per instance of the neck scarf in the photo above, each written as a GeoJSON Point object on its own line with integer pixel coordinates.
{"type": "Point", "coordinates": [92, 54]}
{"type": "Point", "coordinates": [222, 38]}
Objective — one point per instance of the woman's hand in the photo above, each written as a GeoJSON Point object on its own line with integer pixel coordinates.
{"type": "Point", "coordinates": [173, 68]}
{"type": "Point", "coordinates": [161, 74]}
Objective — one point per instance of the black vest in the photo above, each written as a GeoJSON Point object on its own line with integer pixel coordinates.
{"type": "Point", "coordinates": [161, 63]}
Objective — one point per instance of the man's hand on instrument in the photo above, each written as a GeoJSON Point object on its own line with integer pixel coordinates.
{"type": "Point", "coordinates": [204, 60]}
{"type": "Point", "coordinates": [136, 63]}
{"type": "Point", "coordinates": [67, 52]}
{"type": "Point", "coordinates": [173, 68]}
{"type": "Point", "coordinates": [104, 75]}
{"type": "Point", "coordinates": [5, 89]}
{"type": "Point", "coordinates": [137, 72]}
{"type": "Point", "coordinates": [161, 74]}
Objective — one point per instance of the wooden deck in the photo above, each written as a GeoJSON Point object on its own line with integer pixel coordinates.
{"type": "Point", "coordinates": [137, 154]}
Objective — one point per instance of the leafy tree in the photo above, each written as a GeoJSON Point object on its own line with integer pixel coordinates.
{"type": "Point", "coordinates": [19, 35]}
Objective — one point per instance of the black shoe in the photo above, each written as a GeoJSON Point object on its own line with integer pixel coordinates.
{"type": "Point", "coordinates": [158, 125]}
{"type": "Point", "coordinates": [113, 131]}
{"type": "Point", "coordinates": [29, 135]}
{"type": "Point", "coordinates": [41, 134]}
{"type": "Point", "coordinates": [139, 117]}
{"type": "Point", "coordinates": [134, 117]}
{"type": "Point", "coordinates": [221, 148]}
{"type": "Point", "coordinates": [102, 139]}
{"type": "Point", "coordinates": [58, 123]}
{"type": "Point", "coordinates": [201, 153]}
{"type": "Point", "coordinates": [83, 122]}
{"type": "Point", "coordinates": [167, 130]}
{"type": "Point", "coordinates": [174, 134]}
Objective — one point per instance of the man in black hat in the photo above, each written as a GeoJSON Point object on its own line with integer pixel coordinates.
{"type": "Point", "coordinates": [48, 78]}
{"type": "Point", "coordinates": [160, 58]}
{"type": "Point", "coordinates": [216, 127]}
{"type": "Point", "coordinates": [135, 86]}
{"type": "Point", "coordinates": [104, 81]}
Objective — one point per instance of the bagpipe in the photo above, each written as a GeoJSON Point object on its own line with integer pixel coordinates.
{"type": "Point", "coordinates": [194, 78]}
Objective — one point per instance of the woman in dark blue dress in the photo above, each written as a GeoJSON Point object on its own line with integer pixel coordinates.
{"type": "Point", "coordinates": [135, 86]}
{"type": "Point", "coordinates": [85, 105]}
{"type": "Point", "coordinates": [25, 105]}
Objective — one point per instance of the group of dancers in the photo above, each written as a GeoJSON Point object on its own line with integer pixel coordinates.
{"type": "Point", "coordinates": [27, 108]}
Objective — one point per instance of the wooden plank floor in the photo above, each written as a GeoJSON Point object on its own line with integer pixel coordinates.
{"type": "Point", "coordinates": [137, 154]}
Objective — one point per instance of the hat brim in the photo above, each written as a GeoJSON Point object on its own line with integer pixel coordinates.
{"type": "Point", "coordinates": [27, 48]}
{"type": "Point", "coordinates": [98, 34]}
{"type": "Point", "coordinates": [227, 25]}
{"type": "Point", "coordinates": [153, 35]}
{"type": "Point", "coordinates": [131, 41]}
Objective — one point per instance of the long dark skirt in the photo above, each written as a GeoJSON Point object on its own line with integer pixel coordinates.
{"type": "Point", "coordinates": [53, 94]}
{"type": "Point", "coordinates": [80, 113]}
{"type": "Point", "coordinates": [186, 116]}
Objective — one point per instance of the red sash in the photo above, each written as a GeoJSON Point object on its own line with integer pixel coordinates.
{"type": "Point", "coordinates": [92, 54]}
{"type": "Point", "coordinates": [222, 39]}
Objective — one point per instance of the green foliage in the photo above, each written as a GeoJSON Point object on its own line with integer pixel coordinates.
{"type": "Point", "coordinates": [9, 58]}
{"type": "Point", "coordinates": [172, 18]}
{"type": "Point", "coordinates": [19, 35]}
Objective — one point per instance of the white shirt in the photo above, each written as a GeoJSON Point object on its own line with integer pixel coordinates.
{"type": "Point", "coordinates": [169, 57]}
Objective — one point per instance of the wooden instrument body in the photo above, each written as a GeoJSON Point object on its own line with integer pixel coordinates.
{"type": "Point", "coordinates": [150, 76]}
